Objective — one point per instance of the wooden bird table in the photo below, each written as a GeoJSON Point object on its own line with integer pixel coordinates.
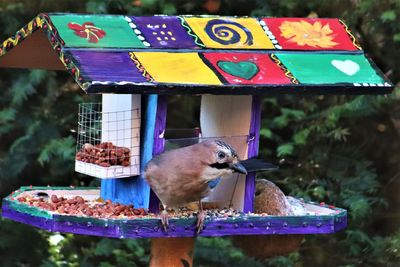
{"type": "Point", "coordinates": [135, 63]}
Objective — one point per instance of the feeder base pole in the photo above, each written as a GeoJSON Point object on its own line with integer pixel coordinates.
{"type": "Point", "coordinates": [172, 252]}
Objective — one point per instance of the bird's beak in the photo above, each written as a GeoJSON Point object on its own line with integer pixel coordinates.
{"type": "Point", "coordinates": [238, 167]}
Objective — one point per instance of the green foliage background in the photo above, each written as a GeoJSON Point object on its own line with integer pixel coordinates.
{"type": "Point", "coordinates": [343, 150]}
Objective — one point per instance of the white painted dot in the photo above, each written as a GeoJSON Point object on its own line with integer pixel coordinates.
{"type": "Point", "coordinates": [387, 84]}
{"type": "Point", "coordinates": [365, 84]}
{"type": "Point", "coordinates": [268, 32]}
{"type": "Point", "coordinates": [380, 84]}
{"type": "Point", "coordinates": [372, 84]}
{"type": "Point", "coordinates": [137, 31]}
{"type": "Point", "coordinates": [262, 22]}
{"type": "Point", "coordinates": [274, 41]}
{"type": "Point", "coordinates": [278, 47]}
{"type": "Point", "coordinates": [357, 84]}
{"type": "Point", "coordinates": [128, 19]}
{"type": "Point", "coordinates": [146, 43]}
{"type": "Point", "coordinates": [140, 37]}
{"type": "Point", "coordinates": [132, 25]}
{"type": "Point", "coordinates": [265, 28]}
{"type": "Point", "coordinates": [272, 37]}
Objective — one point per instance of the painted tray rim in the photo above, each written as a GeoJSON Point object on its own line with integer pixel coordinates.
{"type": "Point", "coordinates": [185, 227]}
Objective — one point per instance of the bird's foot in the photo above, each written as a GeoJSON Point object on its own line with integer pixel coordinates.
{"type": "Point", "coordinates": [201, 216]}
{"type": "Point", "coordinates": [164, 220]}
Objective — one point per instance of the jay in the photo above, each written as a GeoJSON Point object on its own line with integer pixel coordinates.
{"type": "Point", "coordinates": [183, 175]}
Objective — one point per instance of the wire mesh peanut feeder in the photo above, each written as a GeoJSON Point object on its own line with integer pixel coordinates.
{"type": "Point", "coordinates": [135, 63]}
{"type": "Point", "coordinates": [108, 142]}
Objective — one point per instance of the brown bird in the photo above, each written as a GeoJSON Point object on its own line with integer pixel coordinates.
{"type": "Point", "coordinates": [181, 176]}
{"type": "Point", "coordinates": [269, 199]}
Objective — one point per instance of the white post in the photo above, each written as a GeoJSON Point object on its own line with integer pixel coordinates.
{"type": "Point", "coordinates": [230, 116]}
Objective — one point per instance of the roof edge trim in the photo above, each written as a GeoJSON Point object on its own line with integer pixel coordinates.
{"type": "Point", "coordinates": [43, 22]}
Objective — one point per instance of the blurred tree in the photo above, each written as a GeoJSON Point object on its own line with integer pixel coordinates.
{"type": "Point", "coordinates": [342, 150]}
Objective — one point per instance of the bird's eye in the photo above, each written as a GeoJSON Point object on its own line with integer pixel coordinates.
{"type": "Point", "coordinates": [221, 155]}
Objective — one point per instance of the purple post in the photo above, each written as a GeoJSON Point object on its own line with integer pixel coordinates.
{"type": "Point", "coordinates": [253, 142]}
{"type": "Point", "coordinates": [159, 142]}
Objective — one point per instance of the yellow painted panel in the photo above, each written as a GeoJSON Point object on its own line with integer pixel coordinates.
{"type": "Point", "coordinates": [183, 68]}
{"type": "Point", "coordinates": [225, 33]}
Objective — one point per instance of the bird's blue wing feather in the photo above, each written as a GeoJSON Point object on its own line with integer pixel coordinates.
{"type": "Point", "coordinates": [214, 183]}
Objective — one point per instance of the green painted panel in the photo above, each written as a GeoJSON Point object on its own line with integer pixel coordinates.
{"type": "Point", "coordinates": [27, 209]}
{"type": "Point", "coordinates": [96, 31]}
{"type": "Point", "coordinates": [330, 68]}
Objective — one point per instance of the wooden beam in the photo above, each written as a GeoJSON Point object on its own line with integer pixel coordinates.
{"type": "Point", "coordinates": [172, 252]}
{"type": "Point", "coordinates": [35, 52]}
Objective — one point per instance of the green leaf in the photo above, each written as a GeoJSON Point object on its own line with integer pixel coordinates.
{"type": "Point", "coordinates": [285, 150]}
{"type": "Point", "coordinates": [396, 37]}
{"type": "Point", "coordinates": [7, 115]}
{"type": "Point", "coordinates": [300, 138]}
{"type": "Point", "coordinates": [267, 133]}
{"type": "Point", "coordinates": [389, 15]}
{"type": "Point", "coordinates": [319, 192]}
{"type": "Point", "coordinates": [169, 9]}
{"type": "Point", "coordinates": [359, 208]}
{"type": "Point", "coordinates": [63, 148]}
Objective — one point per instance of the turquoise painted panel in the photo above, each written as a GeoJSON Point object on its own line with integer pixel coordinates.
{"type": "Point", "coordinates": [330, 68]}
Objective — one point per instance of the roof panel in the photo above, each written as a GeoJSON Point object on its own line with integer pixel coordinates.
{"type": "Point", "coordinates": [309, 34]}
{"type": "Point", "coordinates": [229, 33]}
{"type": "Point", "coordinates": [163, 32]}
{"type": "Point", "coordinates": [95, 31]}
{"type": "Point", "coordinates": [207, 54]}
{"type": "Point", "coordinates": [106, 66]}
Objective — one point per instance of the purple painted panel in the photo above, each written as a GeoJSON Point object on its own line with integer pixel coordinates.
{"type": "Point", "coordinates": [151, 228]}
{"type": "Point", "coordinates": [253, 142]}
{"type": "Point", "coordinates": [66, 226]}
{"type": "Point", "coordinates": [39, 222]}
{"type": "Point", "coordinates": [164, 32]}
{"type": "Point", "coordinates": [107, 66]}
{"type": "Point", "coordinates": [159, 142]}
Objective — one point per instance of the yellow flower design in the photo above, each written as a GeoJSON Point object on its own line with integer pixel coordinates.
{"type": "Point", "coordinates": [305, 33]}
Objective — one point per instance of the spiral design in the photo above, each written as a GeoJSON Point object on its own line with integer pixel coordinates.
{"type": "Point", "coordinates": [228, 32]}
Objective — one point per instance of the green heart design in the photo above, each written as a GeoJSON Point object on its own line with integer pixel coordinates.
{"type": "Point", "coordinates": [243, 69]}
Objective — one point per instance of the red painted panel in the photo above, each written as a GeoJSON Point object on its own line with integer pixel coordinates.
{"type": "Point", "coordinates": [246, 68]}
{"type": "Point", "coordinates": [309, 34]}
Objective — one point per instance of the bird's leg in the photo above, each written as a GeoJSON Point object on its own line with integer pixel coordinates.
{"type": "Point", "coordinates": [164, 218]}
{"type": "Point", "coordinates": [200, 218]}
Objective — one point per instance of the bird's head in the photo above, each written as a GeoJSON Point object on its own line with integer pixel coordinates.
{"type": "Point", "coordinates": [225, 159]}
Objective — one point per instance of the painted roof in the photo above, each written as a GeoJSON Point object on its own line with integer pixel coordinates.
{"type": "Point", "coordinates": [198, 54]}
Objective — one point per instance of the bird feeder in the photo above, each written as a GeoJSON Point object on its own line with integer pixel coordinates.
{"type": "Point", "coordinates": [136, 63]}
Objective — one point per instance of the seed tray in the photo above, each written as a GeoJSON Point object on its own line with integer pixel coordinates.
{"type": "Point", "coordinates": [133, 222]}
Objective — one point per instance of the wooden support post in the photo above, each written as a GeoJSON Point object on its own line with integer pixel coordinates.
{"type": "Point", "coordinates": [172, 252]}
{"type": "Point", "coordinates": [228, 117]}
